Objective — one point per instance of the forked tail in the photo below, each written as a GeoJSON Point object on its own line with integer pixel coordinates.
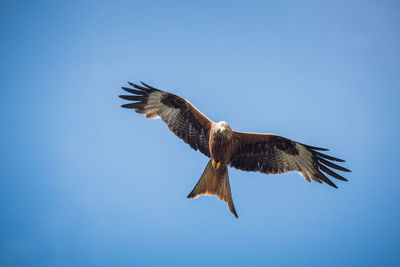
{"type": "Point", "coordinates": [215, 182]}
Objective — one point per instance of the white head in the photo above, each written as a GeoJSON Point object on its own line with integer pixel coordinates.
{"type": "Point", "coordinates": [223, 128]}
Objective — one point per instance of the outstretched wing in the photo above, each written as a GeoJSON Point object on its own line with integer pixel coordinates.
{"type": "Point", "coordinates": [268, 153]}
{"type": "Point", "coordinates": [181, 117]}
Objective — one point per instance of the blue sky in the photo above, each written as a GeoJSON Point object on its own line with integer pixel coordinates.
{"type": "Point", "coordinates": [87, 183]}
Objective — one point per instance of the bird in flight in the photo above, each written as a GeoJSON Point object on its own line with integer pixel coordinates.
{"type": "Point", "coordinates": [265, 153]}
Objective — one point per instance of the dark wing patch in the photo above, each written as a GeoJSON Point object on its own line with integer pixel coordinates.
{"type": "Point", "coordinates": [265, 153]}
{"type": "Point", "coordinates": [181, 117]}
{"type": "Point", "coordinates": [268, 153]}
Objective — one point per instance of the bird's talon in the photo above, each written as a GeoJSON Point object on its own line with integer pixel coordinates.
{"type": "Point", "coordinates": [216, 164]}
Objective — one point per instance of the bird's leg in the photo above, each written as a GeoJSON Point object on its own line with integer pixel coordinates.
{"type": "Point", "coordinates": [216, 164]}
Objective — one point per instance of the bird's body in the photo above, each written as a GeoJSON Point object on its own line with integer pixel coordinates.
{"type": "Point", "coordinates": [265, 153]}
{"type": "Point", "coordinates": [220, 142]}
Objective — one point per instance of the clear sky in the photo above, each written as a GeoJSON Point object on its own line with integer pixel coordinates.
{"type": "Point", "coordinates": [87, 183]}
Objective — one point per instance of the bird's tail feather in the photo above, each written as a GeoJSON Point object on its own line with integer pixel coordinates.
{"type": "Point", "coordinates": [215, 182]}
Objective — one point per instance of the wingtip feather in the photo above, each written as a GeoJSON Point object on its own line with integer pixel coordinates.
{"type": "Point", "coordinates": [138, 87]}
{"type": "Point", "coordinates": [149, 87]}
{"type": "Point", "coordinates": [321, 155]}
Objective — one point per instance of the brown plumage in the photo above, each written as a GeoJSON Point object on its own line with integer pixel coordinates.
{"type": "Point", "coordinates": [265, 153]}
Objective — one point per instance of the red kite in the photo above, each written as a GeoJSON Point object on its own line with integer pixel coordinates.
{"type": "Point", "coordinates": [265, 153]}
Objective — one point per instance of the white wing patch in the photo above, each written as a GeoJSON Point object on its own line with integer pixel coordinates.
{"type": "Point", "coordinates": [304, 162]}
{"type": "Point", "coordinates": [154, 105]}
